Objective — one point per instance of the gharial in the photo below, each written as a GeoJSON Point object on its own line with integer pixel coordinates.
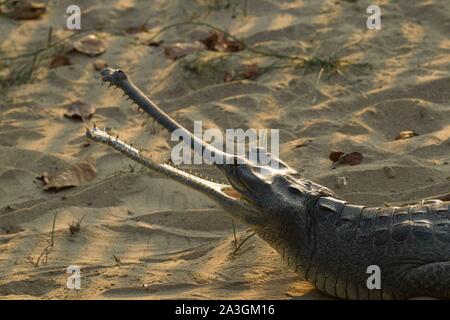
{"type": "Point", "coordinates": [326, 240]}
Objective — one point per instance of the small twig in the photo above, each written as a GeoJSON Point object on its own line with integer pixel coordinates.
{"type": "Point", "coordinates": [49, 37]}
{"type": "Point", "coordinates": [50, 243]}
{"type": "Point", "coordinates": [75, 226]}
{"type": "Point", "coordinates": [36, 263]}
{"type": "Point", "coordinates": [81, 219]}
{"type": "Point", "coordinates": [319, 76]}
{"type": "Point", "coordinates": [41, 255]}
{"type": "Point", "coordinates": [234, 233]}
{"type": "Point", "coordinates": [242, 242]}
{"type": "Point", "coordinates": [144, 26]}
{"type": "Point", "coordinates": [53, 231]}
{"type": "Point", "coordinates": [30, 260]}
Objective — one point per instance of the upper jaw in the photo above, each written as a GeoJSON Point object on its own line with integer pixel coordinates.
{"type": "Point", "coordinates": [118, 78]}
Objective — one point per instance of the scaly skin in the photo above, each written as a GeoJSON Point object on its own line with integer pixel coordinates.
{"type": "Point", "coordinates": [328, 241]}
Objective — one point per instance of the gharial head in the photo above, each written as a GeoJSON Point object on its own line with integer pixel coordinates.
{"type": "Point", "coordinates": [274, 188]}
{"type": "Point", "coordinates": [256, 192]}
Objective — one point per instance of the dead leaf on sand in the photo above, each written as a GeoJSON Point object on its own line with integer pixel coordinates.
{"type": "Point", "coordinates": [352, 158]}
{"type": "Point", "coordinates": [79, 110]}
{"type": "Point", "coordinates": [90, 45]}
{"type": "Point", "coordinates": [251, 72]}
{"type": "Point", "coordinates": [178, 50]}
{"type": "Point", "coordinates": [406, 135]}
{"type": "Point", "coordinates": [23, 9]}
{"type": "Point", "coordinates": [58, 61]}
{"type": "Point", "coordinates": [335, 156]}
{"type": "Point", "coordinates": [217, 41]}
{"type": "Point", "coordinates": [73, 176]}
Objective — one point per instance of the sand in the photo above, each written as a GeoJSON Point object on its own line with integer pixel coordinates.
{"type": "Point", "coordinates": [145, 237]}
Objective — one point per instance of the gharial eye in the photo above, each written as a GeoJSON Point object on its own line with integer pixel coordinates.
{"type": "Point", "coordinates": [295, 191]}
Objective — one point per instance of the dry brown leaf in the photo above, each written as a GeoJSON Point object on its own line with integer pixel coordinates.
{"type": "Point", "coordinates": [73, 176]}
{"type": "Point", "coordinates": [251, 71]}
{"type": "Point", "coordinates": [100, 64]}
{"type": "Point", "coordinates": [178, 50]}
{"type": "Point", "coordinates": [335, 156]}
{"type": "Point", "coordinates": [58, 61]}
{"type": "Point", "coordinates": [406, 135]}
{"type": "Point", "coordinates": [79, 110]}
{"type": "Point", "coordinates": [352, 158]}
{"type": "Point", "coordinates": [23, 9]}
{"type": "Point", "coordinates": [217, 41]}
{"type": "Point", "coordinates": [90, 45]}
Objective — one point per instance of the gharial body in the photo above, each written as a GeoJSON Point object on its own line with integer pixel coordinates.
{"type": "Point", "coordinates": [328, 241]}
